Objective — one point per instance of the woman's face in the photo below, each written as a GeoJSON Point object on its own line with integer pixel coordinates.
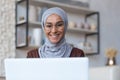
{"type": "Point", "coordinates": [54, 28]}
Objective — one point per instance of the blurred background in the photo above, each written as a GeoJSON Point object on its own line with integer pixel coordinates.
{"type": "Point", "coordinates": [93, 26]}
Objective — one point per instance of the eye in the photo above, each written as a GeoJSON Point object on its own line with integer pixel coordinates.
{"type": "Point", "coordinates": [60, 24]}
{"type": "Point", "coordinates": [48, 26]}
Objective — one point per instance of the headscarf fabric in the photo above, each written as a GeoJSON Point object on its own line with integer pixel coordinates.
{"type": "Point", "coordinates": [60, 49]}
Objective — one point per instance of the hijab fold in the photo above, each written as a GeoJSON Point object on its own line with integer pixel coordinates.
{"type": "Point", "coordinates": [60, 49]}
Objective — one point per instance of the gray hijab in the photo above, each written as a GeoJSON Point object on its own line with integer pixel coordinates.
{"type": "Point", "coordinates": [61, 49]}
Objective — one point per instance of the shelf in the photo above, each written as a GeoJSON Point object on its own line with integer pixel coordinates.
{"type": "Point", "coordinates": [22, 22]}
{"type": "Point", "coordinates": [31, 23]}
{"type": "Point", "coordinates": [28, 47]}
{"type": "Point", "coordinates": [90, 52]}
{"type": "Point", "coordinates": [85, 31]}
{"type": "Point", "coordinates": [35, 24]}
{"type": "Point", "coordinates": [22, 44]}
{"type": "Point", "coordinates": [66, 7]}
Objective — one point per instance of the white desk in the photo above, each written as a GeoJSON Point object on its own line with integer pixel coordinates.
{"type": "Point", "coordinates": [105, 73]}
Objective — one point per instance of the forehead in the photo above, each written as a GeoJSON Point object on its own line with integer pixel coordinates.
{"type": "Point", "coordinates": [53, 17]}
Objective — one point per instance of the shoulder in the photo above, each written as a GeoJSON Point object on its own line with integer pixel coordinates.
{"type": "Point", "coordinates": [77, 53]}
{"type": "Point", "coordinates": [33, 53]}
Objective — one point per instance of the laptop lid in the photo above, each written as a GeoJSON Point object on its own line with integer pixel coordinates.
{"type": "Point", "coordinates": [46, 69]}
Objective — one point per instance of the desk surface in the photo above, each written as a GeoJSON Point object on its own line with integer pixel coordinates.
{"type": "Point", "coordinates": [105, 73]}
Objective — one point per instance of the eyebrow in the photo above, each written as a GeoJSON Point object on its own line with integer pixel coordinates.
{"type": "Point", "coordinates": [51, 23]}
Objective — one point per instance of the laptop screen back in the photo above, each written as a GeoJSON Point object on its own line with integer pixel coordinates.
{"type": "Point", "coordinates": [46, 69]}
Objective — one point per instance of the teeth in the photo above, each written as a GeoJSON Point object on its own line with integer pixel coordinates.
{"type": "Point", "coordinates": [54, 36]}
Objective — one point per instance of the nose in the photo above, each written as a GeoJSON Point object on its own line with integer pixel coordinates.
{"type": "Point", "coordinates": [54, 29]}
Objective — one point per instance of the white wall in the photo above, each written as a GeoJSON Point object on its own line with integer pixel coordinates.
{"type": "Point", "coordinates": [109, 29]}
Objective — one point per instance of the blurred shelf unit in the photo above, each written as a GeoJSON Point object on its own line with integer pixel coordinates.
{"type": "Point", "coordinates": [28, 17]}
{"type": "Point", "coordinates": [84, 31]}
{"type": "Point", "coordinates": [31, 24]}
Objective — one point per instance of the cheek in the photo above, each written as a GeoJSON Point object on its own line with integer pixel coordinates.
{"type": "Point", "coordinates": [62, 31]}
{"type": "Point", "coordinates": [46, 32]}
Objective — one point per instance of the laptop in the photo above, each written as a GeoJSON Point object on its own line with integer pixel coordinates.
{"type": "Point", "coordinates": [46, 69]}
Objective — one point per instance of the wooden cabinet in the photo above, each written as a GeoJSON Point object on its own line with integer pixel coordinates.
{"type": "Point", "coordinates": [28, 15]}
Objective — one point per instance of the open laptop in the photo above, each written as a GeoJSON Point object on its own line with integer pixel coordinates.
{"type": "Point", "coordinates": [46, 69]}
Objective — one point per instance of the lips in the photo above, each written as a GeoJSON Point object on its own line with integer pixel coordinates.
{"type": "Point", "coordinates": [54, 37]}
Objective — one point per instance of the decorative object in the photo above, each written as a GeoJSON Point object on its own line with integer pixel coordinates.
{"type": "Point", "coordinates": [87, 26]}
{"type": "Point", "coordinates": [93, 27]}
{"type": "Point", "coordinates": [80, 25]}
{"type": "Point", "coordinates": [71, 24]}
{"type": "Point", "coordinates": [21, 18]}
{"type": "Point", "coordinates": [33, 13]}
{"type": "Point", "coordinates": [85, 46]}
{"type": "Point", "coordinates": [37, 36]}
{"type": "Point", "coordinates": [111, 54]}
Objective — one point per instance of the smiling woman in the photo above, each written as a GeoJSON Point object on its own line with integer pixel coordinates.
{"type": "Point", "coordinates": [54, 24]}
{"type": "Point", "coordinates": [54, 28]}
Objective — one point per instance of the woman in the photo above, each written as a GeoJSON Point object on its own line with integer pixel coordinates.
{"type": "Point", "coordinates": [54, 24]}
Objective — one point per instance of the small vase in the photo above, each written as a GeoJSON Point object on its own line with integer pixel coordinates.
{"type": "Point", "coordinates": [111, 61]}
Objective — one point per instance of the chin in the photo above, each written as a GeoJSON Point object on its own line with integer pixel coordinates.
{"type": "Point", "coordinates": [54, 42]}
